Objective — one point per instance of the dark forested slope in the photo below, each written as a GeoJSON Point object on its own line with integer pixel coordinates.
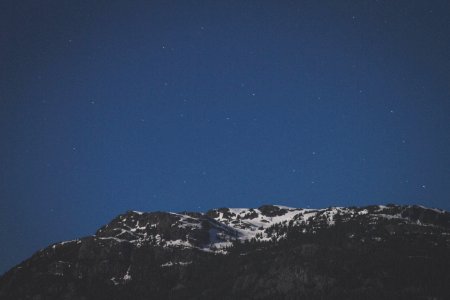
{"type": "Point", "coordinates": [273, 252]}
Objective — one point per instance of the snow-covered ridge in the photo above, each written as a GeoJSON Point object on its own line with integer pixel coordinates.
{"type": "Point", "coordinates": [217, 229]}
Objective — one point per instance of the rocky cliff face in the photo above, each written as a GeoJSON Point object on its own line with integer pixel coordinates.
{"type": "Point", "coordinates": [272, 252]}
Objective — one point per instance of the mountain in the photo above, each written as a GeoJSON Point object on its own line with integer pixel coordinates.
{"type": "Point", "coordinates": [270, 252]}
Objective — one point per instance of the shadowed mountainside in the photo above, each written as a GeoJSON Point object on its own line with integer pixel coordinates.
{"type": "Point", "coordinates": [272, 252]}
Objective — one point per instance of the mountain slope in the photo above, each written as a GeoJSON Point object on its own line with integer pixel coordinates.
{"type": "Point", "coordinates": [270, 252]}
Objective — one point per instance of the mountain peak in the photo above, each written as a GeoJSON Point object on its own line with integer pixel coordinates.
{"type": "Point", "coordinates": [168, 255]}
{"type": "Point", "coordinates": [218, 228]}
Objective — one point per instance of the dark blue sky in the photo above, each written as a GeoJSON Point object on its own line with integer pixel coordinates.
{"type": "Point", "coordinates": [108, 106]}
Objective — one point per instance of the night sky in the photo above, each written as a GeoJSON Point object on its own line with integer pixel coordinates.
{"type": "Point", "coordinates": [109, 106]}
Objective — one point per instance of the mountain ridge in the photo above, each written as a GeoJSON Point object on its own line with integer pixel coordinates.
{"type": "Point", "coordinates": [134, 247]}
